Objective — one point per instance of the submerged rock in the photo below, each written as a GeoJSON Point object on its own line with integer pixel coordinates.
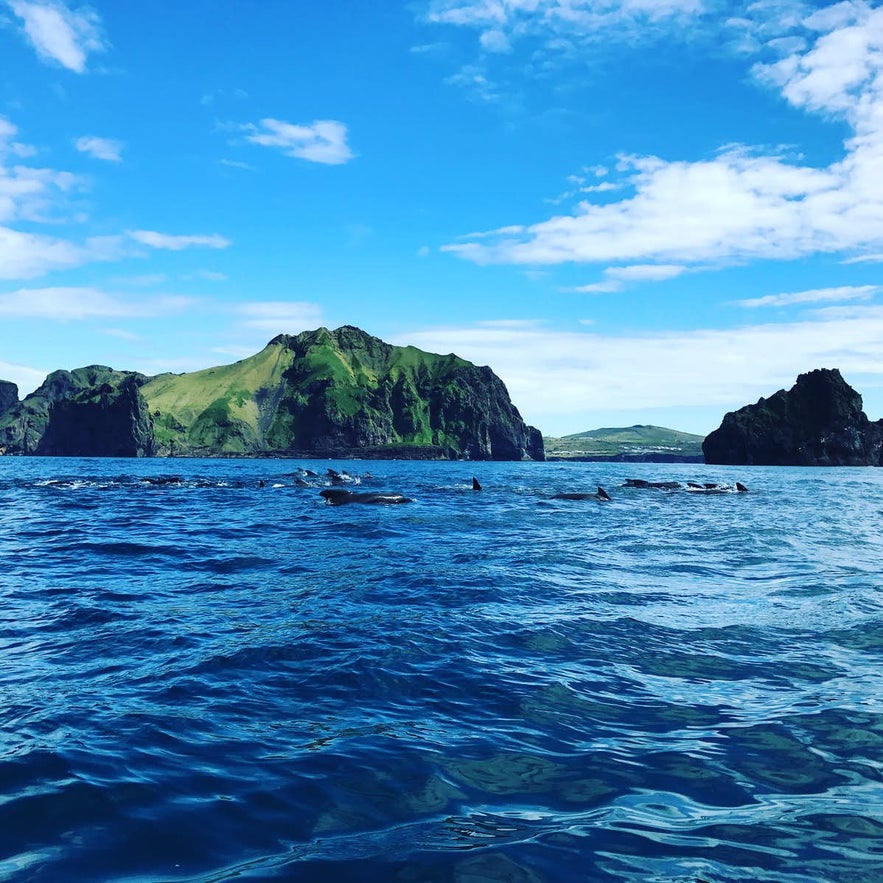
{"type": "Point", "coordinates": [818, 422]}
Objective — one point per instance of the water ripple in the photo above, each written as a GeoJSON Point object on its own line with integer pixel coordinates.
{"type": "Point", "coordinates": [206, 679]}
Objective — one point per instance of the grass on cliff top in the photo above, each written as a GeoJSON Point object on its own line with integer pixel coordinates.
{"type": "Point", "coordinates": [633, 440]}
{"type": "Point", "coordinates": [186, 396]}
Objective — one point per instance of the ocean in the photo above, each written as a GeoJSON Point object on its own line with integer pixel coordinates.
{"type": "Point", "coordinates": [207, 679]}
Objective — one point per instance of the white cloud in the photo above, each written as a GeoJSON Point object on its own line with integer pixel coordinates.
{"type": "Point", "coordinates": [25, 255]}
{"type": "Point", "coordinates": [29, 193]}
{"type": "Point", "coordinates": [645, 272]}
{"type": "Point", "coordinates": [58, 33]}
{"type": "Point", "coordinates": [554, 375]}
{"type": "Point", "coordinates": [561, 27]}
{"type": "Point", "coordinates": [177, 243]}
{"type": "Point", "coordinates": [495, 41]}
{"type": "Point", "coordinates": [100, 148]}
{"type": "Point", "coordinates": [77, 303]}
{"type": "Point", "coordinates": [280, 317]}
{"type": "Point", "coordinates": [616, 278]}
{"type": "Point", "coordinates": [9, 147]}
{"type": "Point", "coordinates": [742, 204]}
{"type": "Point", "coordinates": [813, 296]}
{"type": "Point", "coordinates": [323, 141]}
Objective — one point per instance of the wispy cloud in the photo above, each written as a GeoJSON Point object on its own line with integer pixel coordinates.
{"type": "Point", "coordinates": [813, 296]}
{"type": "Point", "coordinates": [26, 192]}
{"type": "Point", "coordinates": [235, 164]}
{"type": "Point", "coordinates": [280, 317]}
{"type": "Point", "coordinates": [322, 141]}
{"type": "Point", "coordinates": [106, 149]}
{"type": "Point", "coordinates": [206, 275]}
{"type": "Point", "coordinates": [574, 19]}
{"type": "Point", "coordinates": [58, 33]}
{"type": "Point", "coordinates": [77, 303]}
{"type": "Point", "coordinates": [616, 278]}
{"type": "Point", "coordinates": [177, 243]}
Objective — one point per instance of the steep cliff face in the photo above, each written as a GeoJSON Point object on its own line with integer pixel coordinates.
{"type": "Point", "coordinates": [818, 422]}
{"type": "Point", "coordinates": [323, 393]}
{"type": "Point", "coordinates": [8, 396]}
{"type": "Point", "coordinates": [347, 390]}
{"type": "Point", "coordinates": [94, 412]}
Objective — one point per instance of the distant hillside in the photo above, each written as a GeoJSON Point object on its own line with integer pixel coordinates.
{"type": "Point", "coordinates": [633, 443]}
{"type": "Point", "coordinates": [320, 393]}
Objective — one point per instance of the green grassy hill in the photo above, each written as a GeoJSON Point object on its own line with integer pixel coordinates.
{"type": "Point", "coordinates": [639, 442]}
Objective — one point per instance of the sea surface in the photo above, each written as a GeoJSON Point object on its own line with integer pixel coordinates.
{"type": "Point", "coordinates": [206, 679]}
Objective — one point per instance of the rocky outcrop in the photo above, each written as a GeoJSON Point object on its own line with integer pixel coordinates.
{"type": "Point", "coordinates": [320, 393]}
{"type": "Point", "coordinates": [818, 422]}
{"type": "Point", "coordinates": [90, 412]}
{"type": "Point", "coordinates": [8, 396]}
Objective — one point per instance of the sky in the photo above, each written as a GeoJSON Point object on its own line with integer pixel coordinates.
{"type": "Point", "coordinates": [634, 211]}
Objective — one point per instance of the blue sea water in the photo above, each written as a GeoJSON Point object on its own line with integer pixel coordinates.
{"type": "Point", "coordinates": [204, 679]}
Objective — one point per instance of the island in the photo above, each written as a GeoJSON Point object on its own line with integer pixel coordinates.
{"type": "Point", "coordinates": [640, 443]}
{"type": "Point", "coordinates": [323, 393]}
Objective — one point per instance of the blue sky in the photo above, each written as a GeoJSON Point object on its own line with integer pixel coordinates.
{"type": "Point", "coordinates": [635, 211]}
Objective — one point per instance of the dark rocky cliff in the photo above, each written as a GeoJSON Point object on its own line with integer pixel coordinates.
{"type": "Point", "coordinates": [89, 412]}
{"type": "Point", "coordinates": [818, 422]}
{"type": "Point", "coordinates": [8, 396]}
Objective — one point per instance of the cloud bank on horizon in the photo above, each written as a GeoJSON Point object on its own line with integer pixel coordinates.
{"type": "Point", "coordinates": [633, 210]}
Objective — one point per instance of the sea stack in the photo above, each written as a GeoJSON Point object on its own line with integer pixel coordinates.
{"type": "Point", "coordinates": [818, 422]}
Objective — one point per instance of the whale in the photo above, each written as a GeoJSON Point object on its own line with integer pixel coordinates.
{"type": "Point", "coordinates": [339, 497]}
{"type": "Point", "coordinates": [659, 485]}
{"type": "Point", "coordinates": [475, 484]}
{"type": "Point", "coordinates": [600, 494]}
{"type": "Point", "coordinates": [711, 487]}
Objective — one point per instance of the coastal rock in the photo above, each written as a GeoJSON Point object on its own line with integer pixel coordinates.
{"type": "Point", "coordinates": [818, 422]}
{"type": "Point", "coordinates": [8, 396]}
{"type": "Point", "coordinates": [89, 412]}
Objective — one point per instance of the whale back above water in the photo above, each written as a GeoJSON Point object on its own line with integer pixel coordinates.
{"type": "Point", "coordinates": [339, 497]}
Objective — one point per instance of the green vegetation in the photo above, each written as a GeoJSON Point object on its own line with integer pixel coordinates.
{"type": "Point", "coordinates": [633, 442]}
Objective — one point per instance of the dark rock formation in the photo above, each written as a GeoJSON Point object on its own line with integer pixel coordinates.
{"type": "Point", "coordinates": [8, 396]}
{"type": "Point", "coordinates": [818, 422]}
{"type": "Point", "coordinates": [90, 412]}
